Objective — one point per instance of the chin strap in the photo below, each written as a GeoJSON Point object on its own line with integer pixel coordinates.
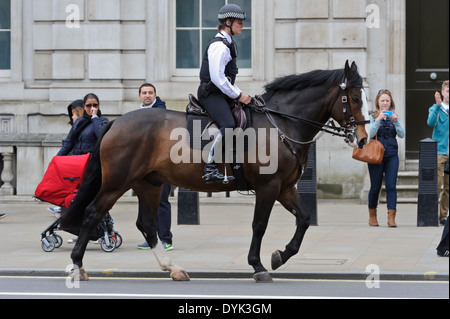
{"type": "Point", "coordinates": [231, 26]}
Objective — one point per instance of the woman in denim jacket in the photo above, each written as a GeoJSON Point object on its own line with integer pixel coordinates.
{"type": "Point", "coordinates": [386, 126]}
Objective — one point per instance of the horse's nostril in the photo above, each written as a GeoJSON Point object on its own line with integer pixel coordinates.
{"type": "Point", "coordinates": [362, 142]}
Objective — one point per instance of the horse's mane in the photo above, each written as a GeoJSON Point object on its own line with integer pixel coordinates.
{"type": "Point", "coordinates": [299, 82]}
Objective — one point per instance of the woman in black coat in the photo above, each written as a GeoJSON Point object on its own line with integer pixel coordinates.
{"type": "Point", "coordinates": [86, 130]}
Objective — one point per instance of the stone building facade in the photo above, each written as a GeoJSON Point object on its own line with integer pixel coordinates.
{"type": "Point", "coordinates": [64, 49]}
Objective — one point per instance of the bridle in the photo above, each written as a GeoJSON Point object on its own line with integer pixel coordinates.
{"type": "Point", "coordinates": [346, 131]}
{"type": "Point", "coordinates": [346, 108]}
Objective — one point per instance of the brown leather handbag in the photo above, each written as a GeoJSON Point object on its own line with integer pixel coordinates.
{"type": "Point", "coordinates": [372, 153]}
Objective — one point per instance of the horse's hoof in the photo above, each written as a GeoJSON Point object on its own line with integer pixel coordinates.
{"type": "Point", "coordinates": [262, 277]}
{"type": "Point", "coordinates": [181, 275]}
{"type": "Point", "coordinates": [79, 274]}
{"type": "Point", "coordinates": [276, 260]}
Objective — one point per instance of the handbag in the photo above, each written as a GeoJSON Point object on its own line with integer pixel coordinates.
{"type": "Point", "coordinates": [371, 153]}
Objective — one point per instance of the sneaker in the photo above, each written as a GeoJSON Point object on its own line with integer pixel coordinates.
{"type": "Point", "coordinates": [3, 215]}
{"type": "Point", "coordinates": [74, 240]}
{"type": "Point", "coordinates": [144, 246]}
{"type": "Point", "coordinates": [56, 211]}
{"type": "Point", "coordinates": [167, 247]}
{"type": "Point", "coordinates": [443, 254]}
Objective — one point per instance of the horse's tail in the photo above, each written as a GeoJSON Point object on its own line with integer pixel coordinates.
{"type": "Point", "coordinates": [92, 181]}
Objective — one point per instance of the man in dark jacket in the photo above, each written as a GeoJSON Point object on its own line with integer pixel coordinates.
{"type": "Point", "coordinates": [147, 95]}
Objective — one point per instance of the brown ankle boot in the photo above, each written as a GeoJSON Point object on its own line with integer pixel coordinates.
{"type": "Point", "coordinates": [391, 218]}
{"type": "Point", "coordinates": [373, 222]}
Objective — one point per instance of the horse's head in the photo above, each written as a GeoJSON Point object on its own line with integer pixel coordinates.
{"type": "Point", "coordinates": [349, 106]}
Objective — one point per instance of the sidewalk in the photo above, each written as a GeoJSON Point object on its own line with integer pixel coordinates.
{"type": "Point", "coordinates": [342, 246]}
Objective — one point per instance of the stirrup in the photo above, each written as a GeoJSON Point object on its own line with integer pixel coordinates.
{"type": "Point", "coordinates": [213, 175]}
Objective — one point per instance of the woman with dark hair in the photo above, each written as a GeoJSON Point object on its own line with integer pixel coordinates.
{"type": "Point", "coordinates": [86, 130]}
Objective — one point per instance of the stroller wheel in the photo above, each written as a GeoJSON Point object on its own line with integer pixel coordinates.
{"type": "Point", "coordinates": [108, 247]}
{"type": "Point", "coordinates": [47, 244]}
{"type": "Point", "coordinates": [118, 239]}
{"type": "Point", "coordinates": [57, 240]}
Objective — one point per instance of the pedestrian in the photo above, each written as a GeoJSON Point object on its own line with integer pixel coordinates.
{"type": "Point", "coordinates": [218, 75]}
{"type": "Point", "coordinates": [74, 110]}
{"type": "Point", "coordinates": [385, 125]}
{"type": "Point", "coordinates": [85, 132]}
{"type": "Point", "coordinates": [442, 248]}
{"type": "Point", "coordinates": [149, 99]}
{"type": "Point", "coordinates": [438, 119]}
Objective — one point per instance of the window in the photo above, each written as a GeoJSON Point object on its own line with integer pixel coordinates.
{"type": "Point", "coordinates": [196, 25]}
{"type": "Point", "coordinates": [5, 35]}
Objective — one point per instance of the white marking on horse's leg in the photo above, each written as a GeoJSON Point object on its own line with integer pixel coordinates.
{"type": "Point", "coordinates": [176, 272]}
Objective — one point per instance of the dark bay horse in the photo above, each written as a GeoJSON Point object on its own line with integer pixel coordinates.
{"type": "Point", "coordinates": [134, 153]}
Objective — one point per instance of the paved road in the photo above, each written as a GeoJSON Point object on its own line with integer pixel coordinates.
{"type": "Point", "coordinates": [223, 289]}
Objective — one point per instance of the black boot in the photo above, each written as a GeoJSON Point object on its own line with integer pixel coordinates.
{"type": "Point", "coordinates": [213, 175]}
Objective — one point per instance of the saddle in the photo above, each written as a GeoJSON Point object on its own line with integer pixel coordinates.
{"type": "Point", "coordinates": [196, 112]}
{"type": "Point", "coordinates": [239, 114]}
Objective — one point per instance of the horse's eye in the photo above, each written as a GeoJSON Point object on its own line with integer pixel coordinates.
{"type": "Point", "coordinates": [355, 100]}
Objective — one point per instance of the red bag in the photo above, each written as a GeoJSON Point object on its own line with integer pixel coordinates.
{"type": "Point", "coordinates": [64, 174]}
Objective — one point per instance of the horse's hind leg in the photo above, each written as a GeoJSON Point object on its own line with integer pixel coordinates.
{"type": "Point", "coordinates": [147, 223]}
{"type": "Point", "coordinates": [94, 213]}
{"type": "Point", "coordinates": [292, 202]}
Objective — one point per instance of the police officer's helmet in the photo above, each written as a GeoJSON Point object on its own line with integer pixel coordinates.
{"type": "Point", "coordinates": [231, 11]}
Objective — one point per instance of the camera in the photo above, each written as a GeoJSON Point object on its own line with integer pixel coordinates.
{"type": "Point", "coordinates": [388, 113]}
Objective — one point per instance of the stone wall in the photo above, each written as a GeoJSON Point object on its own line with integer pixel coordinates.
{"type": "Point", "coordinates": [121, 43]}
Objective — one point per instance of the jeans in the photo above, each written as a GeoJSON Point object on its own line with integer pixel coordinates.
{"type": "Point", "coordinates": [164, 215]}
{"type": "Point", "coordinates": [389, 167]}
{"type": "Point", "coordinates": [442, 187]}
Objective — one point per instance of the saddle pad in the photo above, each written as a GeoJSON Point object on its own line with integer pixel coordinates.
{"type": "Point", "coordinates": [196, 125]}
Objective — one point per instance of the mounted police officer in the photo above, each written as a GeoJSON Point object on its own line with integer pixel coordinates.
{"type": "Point", "coordinates": [217, 76]}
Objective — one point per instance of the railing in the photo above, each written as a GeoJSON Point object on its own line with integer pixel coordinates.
{"type": "Point", "coordinates": [7, 173]}
{"type": "Point", "coordinates": [24, 159]}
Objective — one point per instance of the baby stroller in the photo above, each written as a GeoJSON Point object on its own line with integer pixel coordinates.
{"type": "Point", "coordinates": [59, 187]}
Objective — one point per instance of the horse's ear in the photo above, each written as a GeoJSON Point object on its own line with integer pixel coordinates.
{"type": "Point", "coordinates": [348, 71]}
{"type": "Point", "coordinates": [347, 67]}
{"type": "Point", "coordinates": [354, 67]}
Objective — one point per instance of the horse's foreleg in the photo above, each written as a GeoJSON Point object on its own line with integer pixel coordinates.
{"type": "Point", "coordinates": [263, 208]}
{"type": "Point", "coordinates": [149, 198]}
{"type": "Point", "coordinates": [292, 202]}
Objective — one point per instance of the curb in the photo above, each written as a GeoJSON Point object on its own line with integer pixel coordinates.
{"type": "Point", "coordinates": [242, 275]}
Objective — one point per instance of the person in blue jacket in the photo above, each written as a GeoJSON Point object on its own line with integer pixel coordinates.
{"type": "Point", "coordinates": [149, 99]}
{"type": "Point", "coordinates": [86, 130]}
{"type": "Point", "coordinates": [385, 125]}
{"type": "Point", "coordinates": [438, 119]}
